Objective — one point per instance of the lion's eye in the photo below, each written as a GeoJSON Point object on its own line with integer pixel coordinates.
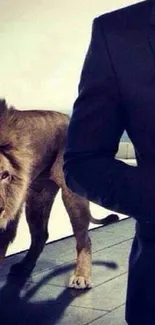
{"type": "Point", "coordinates": [5, 175]}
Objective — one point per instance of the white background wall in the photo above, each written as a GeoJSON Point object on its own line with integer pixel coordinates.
{"type": "Point", "coordinates": [42, 48]}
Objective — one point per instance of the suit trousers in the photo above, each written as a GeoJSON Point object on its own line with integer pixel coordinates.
{"type": "Point", "coordinates": [140, 302]}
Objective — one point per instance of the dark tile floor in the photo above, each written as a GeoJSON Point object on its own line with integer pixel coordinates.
{"type": "Point", "coordinates": [45, 300]}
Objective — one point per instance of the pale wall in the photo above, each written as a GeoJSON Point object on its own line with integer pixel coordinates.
{"type": "Point", "coordinates": [42, 47]}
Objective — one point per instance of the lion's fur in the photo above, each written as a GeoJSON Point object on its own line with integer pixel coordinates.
{"type": "Point", "coordinates": [31, 150]}
{"type": "Point", "coordinates": [16, 154]}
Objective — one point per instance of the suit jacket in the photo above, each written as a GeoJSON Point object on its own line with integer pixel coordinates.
{"type": "Point", "coordinates": [116, 93]}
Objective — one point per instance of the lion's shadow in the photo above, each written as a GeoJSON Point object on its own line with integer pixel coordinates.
{"type": "Point", "coordinates": [17, 310]}
{"type": "Point", "coordinates": [20, 310]}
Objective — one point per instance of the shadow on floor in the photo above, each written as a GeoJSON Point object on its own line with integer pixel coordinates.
{"type": "Point", "coordinates": [17, 310]}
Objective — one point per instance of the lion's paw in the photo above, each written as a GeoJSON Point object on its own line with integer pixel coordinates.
{"type": "Point", "coordinates": [80, 282]}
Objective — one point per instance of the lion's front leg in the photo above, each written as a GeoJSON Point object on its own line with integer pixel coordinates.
{"type": "Point", "coordinates": [38, 207]}
{"type": "Point", "coordinates": [3, 251]}
{"type": "Point", "coordinates": [7, 236]}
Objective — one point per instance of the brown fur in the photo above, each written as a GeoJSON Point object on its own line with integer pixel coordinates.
{"type": "Point", "coordinates": [31, 158]}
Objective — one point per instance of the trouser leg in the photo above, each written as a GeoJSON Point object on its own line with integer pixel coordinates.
{"type": "Point", "coordinates": [140, 302]}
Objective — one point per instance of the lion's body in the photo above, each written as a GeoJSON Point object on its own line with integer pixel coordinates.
{"type": "Point", "coordinates": [32, 144]}
{"type": "Point", "coordinates": [31, 160]}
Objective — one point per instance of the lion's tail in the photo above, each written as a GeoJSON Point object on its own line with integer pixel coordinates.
{"type": "Point", "coordinates": [105, 221]}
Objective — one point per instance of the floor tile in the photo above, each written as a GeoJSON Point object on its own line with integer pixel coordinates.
{"type": "Point", "coordinates": [106, 264]}
{"type": "Point", "coordinates": [110, 262]}
{"type": "Point", "coordinates": [65, 250]}
{"type": "Point", "coordinates": [107, 296]}
{"type": "Point", "coordinates": [44, 263]}
{"type": "Point", "coordinates": [44, 298]}
{"type": "Point", "coordinates": [41, 305]}
{"type": "Point", "coordinates": [116, 317]}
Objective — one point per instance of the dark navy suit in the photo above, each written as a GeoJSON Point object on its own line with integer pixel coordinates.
{"type": "Point", "coordinates": [117, 93]}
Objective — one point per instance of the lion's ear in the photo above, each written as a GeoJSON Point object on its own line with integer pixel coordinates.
{"type": "Point", "coordinates": [3, 106]}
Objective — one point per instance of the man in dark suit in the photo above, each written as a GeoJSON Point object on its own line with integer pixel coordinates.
{"type": "Point", "coordinates": [117, 93]}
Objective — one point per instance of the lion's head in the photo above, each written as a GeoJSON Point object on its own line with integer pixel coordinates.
{"type": "Point", "coordinates": [15, 163]}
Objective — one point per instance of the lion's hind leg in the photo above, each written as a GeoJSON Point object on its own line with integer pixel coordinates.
{"type": "Point", "coordinates": [79, 214]}
{"type": "Point", "coordinates": [78, 211]}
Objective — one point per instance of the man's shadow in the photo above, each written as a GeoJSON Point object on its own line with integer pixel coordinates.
{"type": "Point", "coordinates": [19, 310]}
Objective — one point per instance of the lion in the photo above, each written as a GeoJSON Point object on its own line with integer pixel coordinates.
{"type": "Point", "coordinates": [31, 171]}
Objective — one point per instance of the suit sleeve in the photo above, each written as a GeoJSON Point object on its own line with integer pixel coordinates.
{"type": "Point", "coordinates": [95, 129]}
